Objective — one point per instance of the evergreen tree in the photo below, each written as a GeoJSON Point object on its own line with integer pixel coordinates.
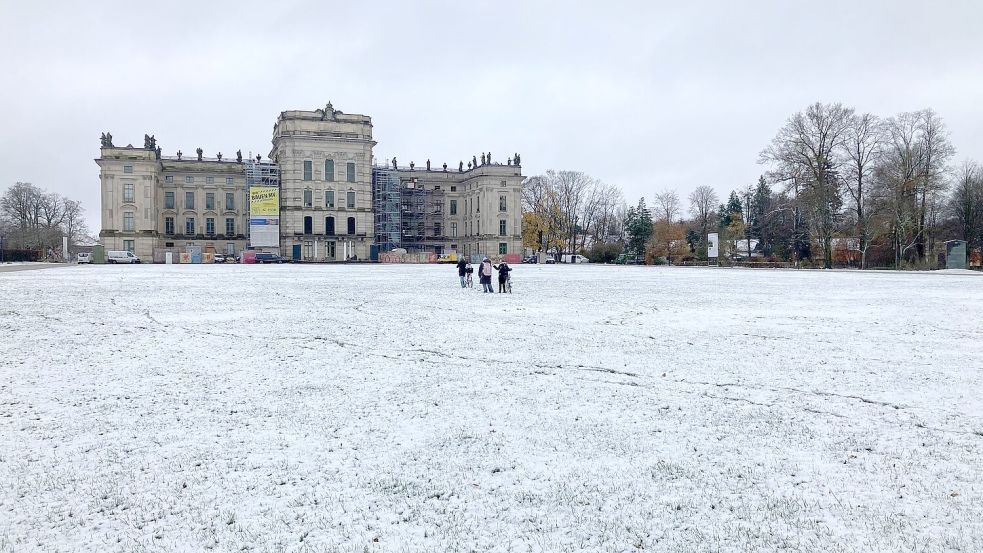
{"type": "Point", "coordinates": [638, 229]}
{"type": "Point", "coordinates": [759, 217]}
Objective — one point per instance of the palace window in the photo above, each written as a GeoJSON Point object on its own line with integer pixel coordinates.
{"type": "Point", "coordinates": [453, 207]}
{"type": "Point", "coordinates": [230, 201]}
{"type": "Point", "coordinates": [329, 198]}
{"type": "Point", "coordinates": [189, 180]}
{"type": "Point", "coordinates": [169, 179]}
{"type": "Point", "coordinates": [502, 203]}
{"type": "Point", "coordinates": [308, 198]}
{"type": "Point", "coordinates": [168, 200]}
{"type": "Point", "coordinates": [230, 226]}
{"type": "Point", "coordinates": [308, 225]}
{"type": "Point", "coordinates": [351, 225]}
{"type": "Point", "coordinates": [210, 226]}
{"type": "Point", "coordinates": [209, 180]}
{"type": "Point", "coordinates": [128, 221]}
{"type": "Point", "coordinates": [209, 200]}
{"type": "Point", "coordinates": [454, 230]}
{"type": "Point", "coordinates": [308, 170]}
{"type": "Point", "coordinates": [169, 226]}
{"type": "Point", "coordinates": [189, 200]}
{"type": "Point", "coordinates": [351, 199]}
{"type": "Point", "coordinates": [503, 248]}
{"type": "Point", "coordinates": [127, 168]}
{"type": "Point", "coordinates": [230, 180]}
{"type": "Point", "coordinates": [129, 246]}
{"type": "Point", "coordinates": [128, 192]}
{"type": "Point", "coordinates": [502, 228]}
{"type": "Point", "coordinates": [189, 226]}
{"type": "Point", "coordinates": [329, 226]}
{"type": "Point", "coordinates": [329, 170]}
{"type": "Point", "coordinates": [351, 171]}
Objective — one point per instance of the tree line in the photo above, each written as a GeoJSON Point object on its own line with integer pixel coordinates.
{"type": "Point", "coordinates": [34, 219]}
{"type": "Point", "coordinates": [839, 187]}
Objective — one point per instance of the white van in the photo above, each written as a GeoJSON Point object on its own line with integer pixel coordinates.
{"type": "Point", "coordinates": [123, 256]}
{"type": "Point", "coordinates": [575, 259]}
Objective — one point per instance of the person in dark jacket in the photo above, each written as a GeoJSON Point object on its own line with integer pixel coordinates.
{"type": "Point", "coordinates": [503, 275]}
{"type": "Point", "coordinates": [461, 266]}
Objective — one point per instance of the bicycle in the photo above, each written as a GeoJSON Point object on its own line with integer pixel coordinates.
{"type": "Point", "coordinates": [468, 281]}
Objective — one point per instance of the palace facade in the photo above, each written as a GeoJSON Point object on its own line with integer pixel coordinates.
{"type": "Point", "coordinates": [335, 202]}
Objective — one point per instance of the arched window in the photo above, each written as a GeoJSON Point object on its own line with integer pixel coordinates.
{"type": "Point", "coordinates": [308, 225]}
{"type": "Point", "coordinates": [351, 225]}
{"type": "Point", "coordinates": [329, 226]}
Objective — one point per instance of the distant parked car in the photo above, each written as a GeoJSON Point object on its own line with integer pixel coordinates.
{"type": "Point", "coordinates": [121, 256]}
{"type": "Point", "coordinates": [218, 258]}
{"type": "Point", "coordinates": [85, 257]}
{"type": "Point", "coordinates": [529, 259]}
{"type": "Point", "coordinates": [263, 257]}
{"type": "Point", "coordinates": [547, 259]}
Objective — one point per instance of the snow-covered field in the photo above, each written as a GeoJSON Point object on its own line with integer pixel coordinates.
{"type": "Point", "coordinates": [382, 408]}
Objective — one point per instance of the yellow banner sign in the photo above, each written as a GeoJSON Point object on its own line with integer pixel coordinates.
{"type": "Point", "coordinates": [264, 200]}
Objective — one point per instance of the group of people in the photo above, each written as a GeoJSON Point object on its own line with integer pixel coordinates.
{"type": "Point", "coordinates": [485, 270]}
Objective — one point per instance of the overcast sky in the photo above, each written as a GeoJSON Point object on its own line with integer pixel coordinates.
{"type": "Point", "coordinates": [646, 95]}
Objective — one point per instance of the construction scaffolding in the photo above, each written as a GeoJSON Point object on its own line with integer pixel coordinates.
{"type": "Point", "coordinates": [408, 212]}
{"type": "Point", "coordinates": [385, 205]}
{"type": "Point", "coordinates": [262, 173]}
{"type": "Point", "coordinates": [422, 218]}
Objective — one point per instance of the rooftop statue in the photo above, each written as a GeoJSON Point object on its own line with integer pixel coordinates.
{"type": "Point", "coordinates": [179, 154]}
{"type": "Point", "coordinates": [199, 150]}
{"type": "Point", "coordinates": [106, 140]}
{"type": "Point", "coordinates": [460, 166]}
{"type": "Point", "coordinates": [238, 156]}
{"type": "Point", "coordinates": [445, 166]}
{"type": "Point", "coordinates": [428, 165]}
{"type": "Point", "coordinates": [219, 156]}
{"type": "Point", "coordinates": [489, 158]}
{"type": "Point", "coordinates": [482, 158]}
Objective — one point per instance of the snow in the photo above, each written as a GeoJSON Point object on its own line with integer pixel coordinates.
{"type": "Point", "coordinates": [382, 408]}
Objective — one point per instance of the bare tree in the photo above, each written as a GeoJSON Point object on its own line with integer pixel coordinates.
{"type": "Point", "coordinates": [33, 219]}
{"type": "Point", "coordinates": [702, 202]}
{"type": "Point", "coordinates": [898, 177]}
{"type": "Point", "coordinates": [938, 150]}
{"type": "Point", "coordinates": [667, 205]}
{"type": "Point", "coordinates": [966, 205]}
{"type": "Point", "coordinates": [862, 145]}
{"type": "Point", "coordinates": [73, 221]}
{"type": "Point", "coordinates": [809, 141]}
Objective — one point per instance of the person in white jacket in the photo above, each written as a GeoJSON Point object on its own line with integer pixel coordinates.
{"type": "Point", "coordinates": [485, 274]}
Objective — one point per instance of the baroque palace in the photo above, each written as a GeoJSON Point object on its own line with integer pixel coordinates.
{"type": "Point", "coordinates": [320, 196]}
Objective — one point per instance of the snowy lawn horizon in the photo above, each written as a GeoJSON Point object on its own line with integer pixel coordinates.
{"type": "Point", "coordinates": [383, 408]}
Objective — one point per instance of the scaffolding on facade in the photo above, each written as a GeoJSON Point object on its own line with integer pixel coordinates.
{"type": "Point", "coordinates": [386, 209]}
{"type": "Point", "coordinates": [421, 210]}
{"type": "Point", "coordinates": [262, 173]}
